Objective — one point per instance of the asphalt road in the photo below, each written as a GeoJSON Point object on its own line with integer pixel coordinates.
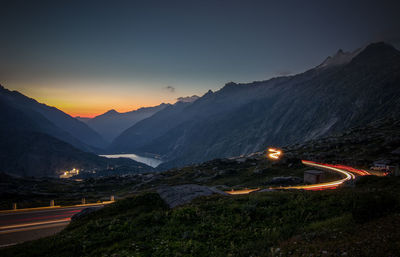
{"type": "Point", "coordinates": [21, 226]}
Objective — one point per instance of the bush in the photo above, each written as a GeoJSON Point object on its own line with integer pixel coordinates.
{"type": "Point", "coordinates": [370, 206]}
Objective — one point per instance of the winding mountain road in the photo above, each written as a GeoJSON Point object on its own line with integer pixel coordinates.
{"type": "Point", "coordinates": [22, 225]}
{"type": "Point", "coordinates": [347, 173]}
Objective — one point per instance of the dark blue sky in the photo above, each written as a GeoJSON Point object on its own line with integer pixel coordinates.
{"type": "Point", "coordinates": [124, 54]}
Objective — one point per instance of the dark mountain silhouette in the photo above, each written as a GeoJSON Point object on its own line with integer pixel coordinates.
{"type": "Point", "coordinates": [348, 89]}
{"type": "Point", "coordinates": [112, 123]}
{"type": "Point", "coordinates": [53, 121]}
{"type": "Point", "coordinates": [159, 123]}
{"type": "Point", "coordinates": [26, 151]}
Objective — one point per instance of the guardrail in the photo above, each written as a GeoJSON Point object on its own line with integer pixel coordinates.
{"type": "Point", "coordinates": [53, 206]}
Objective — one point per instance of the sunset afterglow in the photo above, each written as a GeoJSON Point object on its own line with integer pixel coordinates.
{"type": "Point", "coordinates": [92, 98]}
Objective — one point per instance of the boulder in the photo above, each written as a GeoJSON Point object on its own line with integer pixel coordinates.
{"type": "Point", "coordinates": [182, 194]}
{"type": "Point", "coordinates": [285, 181]}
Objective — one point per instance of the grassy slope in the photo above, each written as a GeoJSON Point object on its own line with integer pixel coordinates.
{"type": "Point", "coordinates": [360, 221]}
{"type": "Point", "coordinates": [248, 225]}
{"type": "Point", "coordinates": [224, 174]}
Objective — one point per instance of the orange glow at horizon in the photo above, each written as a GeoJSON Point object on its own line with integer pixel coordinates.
{"type": "Point", "coordinates": [90, 100]}
{"type": "Point", "coordinates": [95, 109]}
{"type": "Point", "coordinates": [93, 112]}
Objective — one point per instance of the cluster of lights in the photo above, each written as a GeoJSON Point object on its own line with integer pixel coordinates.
{"type": "Point", "coordinates": [70, 173]}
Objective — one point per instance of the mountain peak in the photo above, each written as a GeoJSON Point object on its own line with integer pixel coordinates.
{"type": "Point", "coordinates": [339, 58]}
{"type": "Point", "coordinates": [376, 52]}
{"type": "Point", "coordinates": [380, 46]}
{"type": "Point", "coordinates": [110, 112]}
{"type": "Point", "coordinates": [209, 92]}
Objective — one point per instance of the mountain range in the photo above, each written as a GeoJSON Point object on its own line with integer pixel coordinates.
{"type": "Point", "coordinates": [42, 141]}
{"type": "Point", "coordinates": [346, 90]}
{"type": "Point", "coordinates": [112, 123]}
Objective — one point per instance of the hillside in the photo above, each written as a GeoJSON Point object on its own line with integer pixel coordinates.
{"type": "Point", "coordinates": [245, 118]}
{"type": "Point", "coordinates": [329, 223]}
{"type": "Point", "coordinates": [358, 219]}
{"type": "Point", "coordinates": [358, 146]}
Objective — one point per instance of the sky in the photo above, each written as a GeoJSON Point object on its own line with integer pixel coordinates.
{"type": "Point", "coordinates": [87, 57]}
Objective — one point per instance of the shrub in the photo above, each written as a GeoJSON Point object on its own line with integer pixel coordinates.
{"type": "Point", "coordinates": [373, 205]}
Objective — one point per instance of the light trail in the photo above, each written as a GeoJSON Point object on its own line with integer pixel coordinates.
{"type": "Point", "coordinates": [7, 229]}
{"type": "Point", "coordinates": [51, 217]}
{"type": "Point", "coordinates": [242, 192]}
{"type": "Point", "coordinates": [274, 153]}
{"type": "Point", "coordinates": [343, 170]}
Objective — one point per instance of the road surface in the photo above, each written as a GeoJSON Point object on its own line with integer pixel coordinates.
{"type": "Point", "coordinates": [24, 225]}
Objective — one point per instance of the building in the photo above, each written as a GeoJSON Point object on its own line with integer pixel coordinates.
{"type": "Point", "coordinates": [381, 165]}
{"type": "Point", "coordinates": [313, 176]}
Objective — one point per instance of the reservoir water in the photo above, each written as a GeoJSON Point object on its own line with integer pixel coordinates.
{"type": "Point", "coordinates": [152, 162]}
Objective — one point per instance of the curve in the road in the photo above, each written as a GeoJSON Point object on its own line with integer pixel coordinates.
{"type": "Point", "coordinates": [341, 169]}
{"type": "Point", "coordinates": [347, 173]}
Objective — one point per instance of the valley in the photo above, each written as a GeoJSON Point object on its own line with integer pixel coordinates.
{"type": "Point", "coordinates": [201, 128]}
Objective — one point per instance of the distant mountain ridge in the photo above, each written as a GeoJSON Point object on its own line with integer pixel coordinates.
{"type": "Point", "coordinates": [53, 121]}
{"type": "Point", "coordinates": [111, 123]}
{"type": "Point", "coordinates": [346, 90]}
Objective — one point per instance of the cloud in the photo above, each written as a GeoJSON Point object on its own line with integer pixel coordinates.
{"type": "Point", "coordinates": [170, 89]}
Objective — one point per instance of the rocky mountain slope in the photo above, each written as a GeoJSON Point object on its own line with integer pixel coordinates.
{"type": "Point", "coordinates": [358, 146]}
{"type": "Point", "coordinates": [245, 118]}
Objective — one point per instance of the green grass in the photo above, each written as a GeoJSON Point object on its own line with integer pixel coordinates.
{"type": "Point", "coordinates": [248, 225]}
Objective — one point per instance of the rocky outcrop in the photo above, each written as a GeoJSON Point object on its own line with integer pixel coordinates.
{"type": "Point", "coordinates": [285, 181]}
{"type": "Point", "coordinates": [182, 194]}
